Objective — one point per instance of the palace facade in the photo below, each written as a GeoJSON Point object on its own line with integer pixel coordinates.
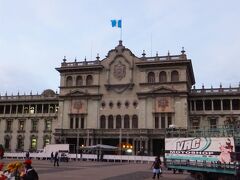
{"type": "Point", "coordinates": [121, 100]}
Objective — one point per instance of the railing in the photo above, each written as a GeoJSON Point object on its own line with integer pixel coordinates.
{"type": "Point", "coordinates": [82, 63]}
{"type": "Point", "coordinates": [164, 58]}
{"type": "Point", "coordinates": [124, 132]}
{"type": "Point", "coordinates": [216, 90]}
{"type": "Point", "coordinates": [216, 167]}
{"type": "Point", "coordinates": [87, 157]}
{"type": "Point", "coordinates": [217, 131]}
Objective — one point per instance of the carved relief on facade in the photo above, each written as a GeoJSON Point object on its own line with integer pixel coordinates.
{"type": "Point", "coordinates": [119, 70]}
{"type": "Point", "coordinates": [164, 104]}
{"type": "Point", "coordinates": [77, 107]}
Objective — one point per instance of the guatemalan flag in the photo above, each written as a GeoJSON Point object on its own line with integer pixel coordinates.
{"type": "Point", "coordinates": [116, 23]}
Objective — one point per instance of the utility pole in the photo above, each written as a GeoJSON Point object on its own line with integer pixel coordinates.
{"type": "Point", "coordinates": [77, 147]}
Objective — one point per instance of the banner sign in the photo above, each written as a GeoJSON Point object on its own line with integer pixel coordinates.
{"type": "Point", "coordinates": [200, 148]}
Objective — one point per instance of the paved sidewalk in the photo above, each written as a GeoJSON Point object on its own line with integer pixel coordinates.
{"type": "Point", "coordinates": [90, 170]}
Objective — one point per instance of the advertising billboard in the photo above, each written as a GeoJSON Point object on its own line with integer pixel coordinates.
{"type": "Point", "coordinates": [200, 149]}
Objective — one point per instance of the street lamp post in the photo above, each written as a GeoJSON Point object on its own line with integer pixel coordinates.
{"type": "Point", "coordinates": [77, 147]}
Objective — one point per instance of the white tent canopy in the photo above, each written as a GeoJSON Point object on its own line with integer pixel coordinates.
{"type": "Point", "coordinates": [100, 147]}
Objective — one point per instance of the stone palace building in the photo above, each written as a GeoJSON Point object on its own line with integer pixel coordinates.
{"type": "Point", "coordinates": [121, 100]}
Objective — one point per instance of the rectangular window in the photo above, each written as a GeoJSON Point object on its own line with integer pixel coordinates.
{"type": "Point", "coordinates": [213, 123]}
{"type": "Point", "coordinates": [39, 108]}
{"type": "Point", "coordinates": [226, 104]}
{"type": "Point", "coordinates": [26, 109]}
{"type": "Point", "coordinates": [163, 124]}
{"type": "Point", "coordinates": [32, 109]}
{"type": "Point", "coordinates": [20, 109]}
{"type": "Point", "coordinates": [156, 122]}
{"type": "Point", "coordinates": [195, 124]}
{"type": "Point", "coordinates": [71, 123]}
{"type": "Point", "coordinates": [7, 109]}
{"type": "Point", "coordinates": [216, 105]}
{"type": "Point", "coordinates": [34, 125]}
{"type": "Point", "coordinates": [110, 123]}
{"type": "Point", "coordinates": [34, 143]}
{"type": "Point", "coordinates": [77, 123]}
{"type": "Point", "coordinates": [48, 126]}
{"type": "Point", "coordinates": [21, 125]}
{"type": "Point", "coordinates": [169, 121]}
{"type": "Point", "coordinates": [52, 108]}
{"type": "Point", "coordinates": [9, 125]}
{"type": "Point", "coordinates": [236, 104]}
{"type": "Point", "coordinates": [82, 122]}
{"type": "Point", "coordinates": [45, 108]}
{"type": "Point", "coordinates": [199, 105]}
{"type": "Point", "coordinates": [1, 109]}
{"type": "Point", "coordinates": [208, 105]}
{"type": "Point", "coordinates": [14, 109]}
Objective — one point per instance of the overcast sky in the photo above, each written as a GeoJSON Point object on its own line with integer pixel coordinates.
{"type": "Point", "coordinates": [35, 35]}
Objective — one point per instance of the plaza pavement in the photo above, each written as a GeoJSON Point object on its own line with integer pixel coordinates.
{"type": "Point", "coordinates": [92, 170]}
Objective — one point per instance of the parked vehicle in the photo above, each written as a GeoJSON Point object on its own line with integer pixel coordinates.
{"type": "Point", "coordinates": [206, 154]}
{"type": "Point", "coordinates": [49, 148]}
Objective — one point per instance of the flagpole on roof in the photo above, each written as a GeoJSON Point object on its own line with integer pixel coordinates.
{"type": "Point", "coordinates": [121, 31]}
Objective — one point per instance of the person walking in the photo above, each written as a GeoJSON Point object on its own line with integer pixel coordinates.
{"type": "Point", "coordinates": [52, 157]}
{"type": "Point", "coordinates": [156, 167]}
{"type": "Point", "coordinates": [30, 173]}
{"type": "Point", "coordinates": [56, 159]}
{"type": "Point", "coordinates": [27, 155]}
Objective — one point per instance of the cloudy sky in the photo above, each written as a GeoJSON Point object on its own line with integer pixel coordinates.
{"type": "Point", "coordinates": [35, 35]}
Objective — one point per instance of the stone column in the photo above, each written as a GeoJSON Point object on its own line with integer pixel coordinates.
{"type": "Point", "coordinates": [194, 105]}
{"type": "Point", "coordinates": [212, 105]}
{"type": "Point", "coordinates": [203, 105]}
{"type": "Point", "coordinates": [221, 104]}
{"type": "Point", "coordinates": [231, 107]}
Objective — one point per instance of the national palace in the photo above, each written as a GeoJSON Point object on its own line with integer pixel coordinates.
{"type": "Point", "coordinates": [120, 99]}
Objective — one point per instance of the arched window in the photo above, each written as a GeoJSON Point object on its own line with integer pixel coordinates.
{"type": "Point", "coordinates": [20, 143]}
{"type": "Point", "coordinates": [33, 143]}
{"type": "Point", "coordinates": [46, 140]}
{"type": "Point", "coordinates": [89, 80]}
{"type": "Point", "coordinates": [102, 122]}
{"type": "Point", "coordinates": [110, 122]}
{"type": "Point", "coordinates": [79, 81]}
{"type": "Point", "coordinates": [151, 77]}
{"type": "Point", "coordinates": [126, 121]}
{"type": "Point", "coordinates": [118, 122]}
{"type": "Point", "coordinates": [174, 76]}
{"type": "Point", "coordinates": [69, 81]}
{"type": "Point", "coordinates": [135, 121]}
{"type": "Point", "coordinates": [162, 77]}
{"type": "Point", "coordinates": [7, 142]}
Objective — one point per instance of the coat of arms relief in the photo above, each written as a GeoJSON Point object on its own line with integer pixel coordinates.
{"type": "Point", "coordinates": [119, 70]}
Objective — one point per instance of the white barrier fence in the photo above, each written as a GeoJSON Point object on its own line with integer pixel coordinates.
{"type": "Point", "coordinates": [86, 157]}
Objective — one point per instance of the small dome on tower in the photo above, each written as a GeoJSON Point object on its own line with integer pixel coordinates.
{"type": "Point", "coordinates": [48, 93]}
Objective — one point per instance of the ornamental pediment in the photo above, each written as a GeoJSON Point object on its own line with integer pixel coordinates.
{"type": "Point", "coordinates": [76, 93]}
{"type": "Point", "coordinates": [163, 90]}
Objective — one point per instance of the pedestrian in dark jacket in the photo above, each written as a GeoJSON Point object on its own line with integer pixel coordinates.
{"type": "Point", "coordinates": [52, 157]}
{"type": "Point", "coordinates": [30, 173]}
{"type": "Point", "coordinates": [27, 155]}
{"type": "Point", "coordinates": [156, 167]}
{"type": "Point", "coordinates": [56, 159]}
